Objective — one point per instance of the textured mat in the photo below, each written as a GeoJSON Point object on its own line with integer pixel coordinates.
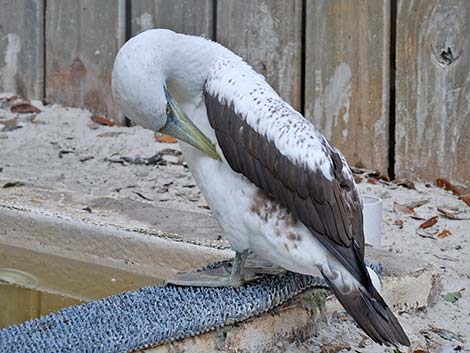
{"type": "Point", "coordinates": [149, 316]}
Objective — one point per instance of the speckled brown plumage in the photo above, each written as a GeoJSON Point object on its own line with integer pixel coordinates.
{"type": "Point", "coordinates": [330, 209]}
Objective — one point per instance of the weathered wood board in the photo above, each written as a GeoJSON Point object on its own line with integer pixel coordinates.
{"type": "Point", "coordinates": [347, 76]}
{"type": "Point", "coordinates": [82, 39]}
{"type": "Point", "coordinates": [433, 90]}
{"type": "Point", "coordinates": [22, 47]}
{"type": "Point", "coordinates": [268, 34]}
{"type": "Point", "coordinates": [184, 16]}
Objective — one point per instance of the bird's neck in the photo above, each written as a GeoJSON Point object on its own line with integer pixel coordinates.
{"type": "Point", "coordinates": [188, 63]}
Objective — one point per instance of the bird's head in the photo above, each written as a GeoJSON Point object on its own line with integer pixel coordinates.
{"type": "Point", "coordinates": [139, 88]}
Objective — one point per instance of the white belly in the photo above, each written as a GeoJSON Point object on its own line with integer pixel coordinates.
{"type": "Point", "coordinates": [249, 221]}
{"type": "Point", "coordinates": [247, 218]}
{"type": "Point", "coordinates": [226, 193]}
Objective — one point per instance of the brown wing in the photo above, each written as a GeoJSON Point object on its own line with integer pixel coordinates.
{"type": "Point", "coordinates": [330, 209]}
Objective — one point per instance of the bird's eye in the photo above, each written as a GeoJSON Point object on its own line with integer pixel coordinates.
{"type": "Point", "coordinates": [168, 109]}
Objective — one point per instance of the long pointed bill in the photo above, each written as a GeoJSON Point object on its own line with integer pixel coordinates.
{"type": "Point", "coordinates": [179, 126]}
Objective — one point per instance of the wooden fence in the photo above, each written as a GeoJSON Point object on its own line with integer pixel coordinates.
{"type": "Point", "coordinates": [385, 80]}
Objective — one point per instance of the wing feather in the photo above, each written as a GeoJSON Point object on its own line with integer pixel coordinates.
{"type": "Point", "coordinates": [330, 209]}
{"type": "Point", "coordinates": [284, 155]}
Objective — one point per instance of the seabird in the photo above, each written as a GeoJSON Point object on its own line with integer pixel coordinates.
{"type": "Point", "coordinates": [274, 183]}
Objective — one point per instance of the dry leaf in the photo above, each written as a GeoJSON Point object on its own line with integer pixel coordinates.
{"type": "Point", "coordinates": [405, 183]}
{"type": "Point", "coordinates": [110, 134]}
{"type": "Point", "coordinates": [416, 204]}
{"type": "Point", "coordinates": [359, 169]}
{"type": "Point", "coordinates": [448, 214]}
{"type": "Point", "coordinates": [334, 347]}
{"type": "Point", "coordinates": [102, 120]}
{"type": "Point", "coordinates": [385, 178]}
{"type": "Point", "coordinates": [170, 152]}
{"type": "Point", "coordinates": [447, 185]}
{"type": "Point", "coordinates": [445, 258]}
{"type": "Point", "coordinates": [61, 153]}
{"type": "Point", "coordinates": [165, 138]}
{"type": "Point", "coordinates": [446, 334]}
{"type": "Point", "coordinates": [444, 234]}
{"type": "Point", "coordinates": [424, 234]}
{"type": "Point", "coordinates": [373, 181]}
{"type": "Point", "coordinates": [357, 178]}
{"type": "Point", "coordinates": [399, 223]}
{"type": "Point", "coordinates": [142, 196]}
{"type": "Point", "coordinates": [428, 223]}
{"type": "Point", "coordinates": [398, 208]}
{"type": "Point", "coordinates": [92, 125]}
{"type": "Point", "coordinates": [466, 199]}
{"type": "Point", "coordinates": [409, 207]}
{"type": "Point", "coordinates": [10, 124]}
{"type": "Point", "coordinates": [24, 108]}
{"type": "Point", "coordinates": [85, 158]}
{"type": "Point", "coordinates": [12, 98]}
{"type": "Point", "coordinates": [12, 184]}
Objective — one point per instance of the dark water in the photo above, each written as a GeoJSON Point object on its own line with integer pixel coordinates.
{"type": "Point", "coordinates": [33, 284]}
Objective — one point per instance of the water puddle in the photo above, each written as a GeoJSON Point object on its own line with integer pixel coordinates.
{"type": "Point", "coordinates": [33, 284]}
{"type": "Point", "coordinates": [18, 304]}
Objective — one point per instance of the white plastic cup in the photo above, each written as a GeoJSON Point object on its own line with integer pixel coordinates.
{"type": "Point", "coordinates": [372, 213]}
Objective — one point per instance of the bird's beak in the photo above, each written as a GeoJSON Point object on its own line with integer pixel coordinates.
{"type": "Point", "coordinates": [181, 127]}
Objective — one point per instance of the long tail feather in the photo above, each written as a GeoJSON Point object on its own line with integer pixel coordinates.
{"type": "Point", "coordinates": [372, 314]}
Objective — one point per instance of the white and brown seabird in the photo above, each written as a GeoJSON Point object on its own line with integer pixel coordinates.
{"type": "Point", "coordinates": [274, 183]}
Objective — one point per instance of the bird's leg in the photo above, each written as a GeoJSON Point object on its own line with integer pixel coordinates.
{"type": "Point", "coordinates": [236, 275]}
{"type": "Point", "coordinates": [220, 277]}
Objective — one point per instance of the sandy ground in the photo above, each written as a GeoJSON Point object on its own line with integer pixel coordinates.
{"type": "Point", "coordinates": [61, 148]}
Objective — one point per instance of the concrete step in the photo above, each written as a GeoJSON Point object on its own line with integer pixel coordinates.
{"type": "Point", "coordinates": [126, 234]}
{"type": "Point", "coordinates": [149, 240]}
{"type": "Point", "coordinates": [407, 285]}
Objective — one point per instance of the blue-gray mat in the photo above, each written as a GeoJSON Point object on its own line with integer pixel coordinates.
{"type": "Point", "coordinates": [147, 317]}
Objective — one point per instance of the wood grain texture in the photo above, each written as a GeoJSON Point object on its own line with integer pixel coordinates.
{"type": "Point", "coordinates": [433, 90]}
{"type": "Point", "coordinates": [22, 47]}
{"type": "Point", "coordinates": [82, 39]}
{"type": "Point", "coordinates": [185, 16]}
{"type": "Point", "coordinates": [268, 34]}
{"type": "Point", "coordinates": [347, 76]}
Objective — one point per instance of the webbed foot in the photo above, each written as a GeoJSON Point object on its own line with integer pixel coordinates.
{"type": "Point", "coordinates": [227, 275]}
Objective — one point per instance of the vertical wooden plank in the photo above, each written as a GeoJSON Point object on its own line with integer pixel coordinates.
{"type": "Point", "coordinates": [268, 34]}
{"type": "Point", "coordinates": [22, 47]}
{"type": "Point", "coordinates": [347, 76]}
{"type": "Point", "coordinates": [184, 16]}
{"type": "Point", "coordinates": [433, 90]}
{"type": "Point", "coordinates": [82, 39]}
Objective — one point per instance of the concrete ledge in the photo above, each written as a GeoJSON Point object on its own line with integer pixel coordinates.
{"type": "Point", "coordinates": [407, 286]}
{"type": "Point", "coordinates": [116, 234]}
{"type": "Point", "coordinates": [122, 235]}
{"type": "Point", "coordinates": [291, 321]}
